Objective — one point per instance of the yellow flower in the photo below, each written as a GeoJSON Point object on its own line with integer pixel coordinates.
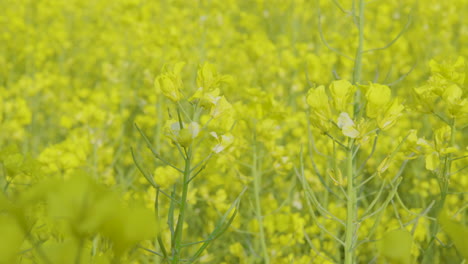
{"type": "Point", "coordinates": [432, 161]}
{"type": "Point", "coordinates": [388, 118]}
{"type": "Point", "coordinates": [378, 94]}
{"type": "Point", "coordinates": [453, 72]}
{"type": "Point", "coordinates": [205, 98]}
{"type": "Point", "coordinates": [342, 92]}
{"type": "Point", "coordinates": [318, 100]}
{"type": "Point", "coordinates": [377, 97]}
{"type": "Point", "coordinates": [388, 161]}
{"type": "Point", "coordinates": [206, 76]}
{"type": "Point", "coordinates": [169, 85]}
{"type": "Point", "coordinates": [452, 93]}
{"type": "Point", "coordinates": [170, 82]}
{"type": "Point", "coordinates": [221, 106]}
{"type": "Point", "coordinates": [185, 135]}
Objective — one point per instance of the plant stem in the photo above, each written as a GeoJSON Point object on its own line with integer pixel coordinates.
{"type": "Point", "coordinates": [79, 252]}
{"type": "Point", "coordinates": [446, 171]}
{"type": "Point", "coordinates": [351, 207]}
{"type": "Point", "coordinates": [448, 167]}
{"type": "Point", "coordinates": [182, 207]}
{"type": "Point", "coordinates": [357, 69]}
{"type": "Point", "coordinates": [444, 179]}
{"type": "Point", "coordinates": [257, 175]}
{"type": "Point", "coordinates": [351, 190]}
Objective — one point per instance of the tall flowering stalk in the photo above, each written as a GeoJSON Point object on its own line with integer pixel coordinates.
{"type": "Point", "coordinates": [351, 115]}
{"type": "Point", "coordinates": [443, 97]}
{"type": "Point", "coordinates": [186, 132]}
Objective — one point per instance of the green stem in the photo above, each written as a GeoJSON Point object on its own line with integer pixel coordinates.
{"type": "Point", "coordinates": [182, 207]}
{"type": "Point", "coordinates": [351, 212]}
{"type": "Point", "coordinates": [357, 69]}
{"type": "Point", "coordinates": [79, 252]}
{"type": "Point", "coordinates": [453, 131]}
{"type": "Point", "coordinates": [444, 179]}
{"type": "Point", "coordinates": [257, 175]}
{"type": "Point", "coordinates": [351, 207]}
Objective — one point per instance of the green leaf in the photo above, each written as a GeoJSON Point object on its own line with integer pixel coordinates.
{"type": "Point", "coordinates": [457, 232]}
{"type": "Point", "coordinates": [395, 246]}
{"type": "Point", "coordinates": [12, 238]}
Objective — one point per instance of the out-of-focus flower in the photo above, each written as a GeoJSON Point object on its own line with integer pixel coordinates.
{"type": "Point", "coordinates": [182, 135]}
{"type": "Point", "coordinates": [223, 141]}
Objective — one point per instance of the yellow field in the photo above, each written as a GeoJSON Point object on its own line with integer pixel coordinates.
{"type": "Point", "coordinates": [234, 131]}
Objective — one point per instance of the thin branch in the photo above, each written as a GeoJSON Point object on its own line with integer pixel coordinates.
{"type": "Point", "coordinates": [155, 154]}
{"type": "Point", "coordinates": [196, 174]}
{"type": "Point", "coordinates": [340, 7]}
{"type": "Point", "coordinates": [374, 145]}
{"type": "Point", "coordinates": [461, 209]}
{"type": "Point", "coordinates": [149, 177]}
{"type": "Point", "coordinates": [324, 41]}
{"type": "Point", "coordinates": [376, 199]}
{"type": "Point", "coordinates": [423, 214]}
{"type": "Point", "coordinates": [397, 81]}
{"type": "Point", "coordinates": [458, 158]}
{"type": "Point", "coordinates": [319, 254]}
{"type": "Point", "coordinates": [405, 28]}
{"type": "Point", "coordinates": [366, 181]}
{"type": "Point", "coordinates": [314, 165]}
{"type": "Point", "coordinates": [335, 74]}
{"type": "Point", "coordinates": [310, 194]}
{"type": "Point", "coordinates": [206, 159]}
{"type": "Point", "coordinates": [336, 140]}
{"type": "Point", "coordinates": [453, 173]}
{"type": "Point", "coordinates": [385, 204]}
{"type": "Point", "coordinates": [151, 251]}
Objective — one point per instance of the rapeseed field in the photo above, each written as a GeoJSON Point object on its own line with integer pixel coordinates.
{"type": "Point", "coordinates": [234, 131]}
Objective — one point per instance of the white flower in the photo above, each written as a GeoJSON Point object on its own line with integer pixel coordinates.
{"type": "Point", "coordinates": [347, 125]}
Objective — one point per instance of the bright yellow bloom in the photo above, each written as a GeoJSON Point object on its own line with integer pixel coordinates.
{"type": "Point", "coordinates": [342, 92]}
{"type": "Point", "coordinates": [207, 77]}
{"type": "Point", "coordinates": [321, 113]}
{"type": "Point", "coordinates": [170, 83]}
{"type": "Point", "coordinates": [453, 72]}
{"type": "Point", "coordinates": [377, 97]}
{"type": "Point", "coordinates": [389, 117]}
{"type": "Point", "coordinates": [170, 86]}
{"type": "Point", "coordinates": [317, 99]}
